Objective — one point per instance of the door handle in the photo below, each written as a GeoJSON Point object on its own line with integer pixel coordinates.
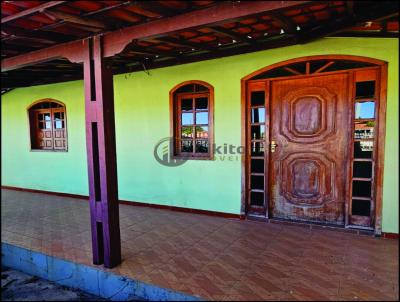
{"type": "Point", "coordinates": [273, 146]}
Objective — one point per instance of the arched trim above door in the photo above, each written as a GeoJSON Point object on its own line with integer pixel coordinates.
{"type": "Point", "coordinates": [312, 65]}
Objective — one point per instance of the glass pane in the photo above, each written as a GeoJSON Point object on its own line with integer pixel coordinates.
{"type": "Point", "coordinates": [257, 166]}
{"type": "Point", "coordinates": [257, 115]}
{"type": "Point", "coordinates": [362, 169]}
{"type": "Point", "coordinates": [257, 182]}
{"type": "Point", "coordinates": [198, 88]}
{"type": "Point", "coordinates": [187, 146]}
{"type": "Point", "coordinates": [186, 88]}
{"type": "Point", "coordinates": [59, 124]}
{"type": "Point", "coordinates": [257, 149]}
{"type": "Point", "coordinates": [365, 110]}
{"type": "Point", "coordinates": [365, 89]}
{"type": "Point", "coordinates": [202, 103]}
{"type": "Point", "coordinates": [40, 117]}
{"type": "Point", "coordinates": [257, 199]}
{"type": "Point", "coordinates": [201, 146]}
{"type": "Point", "coordinates": [364, 130]}
{"type": "Point", "coordinates": [187, 104]}
{"type": "Point", "coordinates": [201, 117]}
{"type": "Point", "coordinates": [361, 188]}
{"type": "Point", "coordinates": [257, 132]}
{"type": "Point", "coordinates": [257, 98]}
{"type": "Point", "coordinates": [58, 115]}
{"type": "Point", "coordinates": [363, 149]}
{"type": "Point", "coordinates": [361, 207]}
{"type": "Point", "coordinates": [201, 131]}
{"type": "Point", "coordinates": [47, 116]}
{"type": "Point", "coordinates": [41, 125]}
{"type": "Point", "coordinates": [48, 125]}
{"type": "Point", "coordinates": [187, 119]}
{"type": "Point", "coordinates": [187, 132]}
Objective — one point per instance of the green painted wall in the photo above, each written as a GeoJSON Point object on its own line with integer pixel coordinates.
{"type": "Point", "coordinates": [142, 119]}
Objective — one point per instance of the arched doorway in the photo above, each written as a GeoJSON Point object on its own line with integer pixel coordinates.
{"type": "Point", "coordinates": [314, 130]}
{"type": "Point", "coordinates": [48, 125]}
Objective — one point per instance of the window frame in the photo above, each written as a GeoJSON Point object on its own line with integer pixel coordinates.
{"type": "Point", "coordinates": [176, 123]}
{"type": "Point", "coordinates": [31, 112]}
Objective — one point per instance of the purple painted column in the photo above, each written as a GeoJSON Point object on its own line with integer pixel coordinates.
{"type": "Point", "coordinates": [101, 156]}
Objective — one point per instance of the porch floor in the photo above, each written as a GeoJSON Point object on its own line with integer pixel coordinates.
{"type": "Point", "coordinates": [214, 258]}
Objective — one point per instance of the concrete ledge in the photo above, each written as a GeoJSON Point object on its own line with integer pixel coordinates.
{"type": "Point", "coordinates": [100, 283]}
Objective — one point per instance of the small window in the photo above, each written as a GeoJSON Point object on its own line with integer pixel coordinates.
{"type": "Point", "coordinates": [47, 120]}
{"type": "Point", "coordinates": [193, 120]}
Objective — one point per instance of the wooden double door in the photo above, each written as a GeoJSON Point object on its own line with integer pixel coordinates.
{"type": "Point", "coordinates": [298, 148]}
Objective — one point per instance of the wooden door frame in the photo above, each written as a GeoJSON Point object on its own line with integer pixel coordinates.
{"type": "Point", "coordinates": [381, 128]}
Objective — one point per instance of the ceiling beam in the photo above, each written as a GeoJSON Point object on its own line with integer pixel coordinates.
{"type": "Point", "coordinates": [107, 8]}
{"type": "Point", "coordinates": [116, 41]}
{"type": "Point", "coordinates": [154, 7]}
{"type": "Point", "coordinates": [31, 11]}
{"type": "Point", "coordinates": [73, 51]}
{"type": "Point", "coordinates": [14, 32]}
{"type": "Point", "coordinates": [217, 53]}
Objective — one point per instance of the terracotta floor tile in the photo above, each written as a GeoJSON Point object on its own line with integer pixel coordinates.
{"type": "Point", "coordinates": [210, 257]}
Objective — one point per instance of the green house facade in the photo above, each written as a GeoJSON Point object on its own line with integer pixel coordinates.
{"type": "Point", "coordinates": [143, 118]}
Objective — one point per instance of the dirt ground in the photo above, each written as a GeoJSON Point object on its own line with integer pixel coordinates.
{"type": "Point", "coordinates": [17, 286]}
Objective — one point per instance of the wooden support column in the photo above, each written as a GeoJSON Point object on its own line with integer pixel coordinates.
{"type": "Point", "coordinates": [101, 156]}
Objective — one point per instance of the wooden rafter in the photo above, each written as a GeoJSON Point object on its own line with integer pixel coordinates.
{"type": "Point", "coordinates": [13, 32]}
{"type": "Point", "coordinates": [346, 22]}
{"type": "Point", "coordinates": [184, 43]}
{"type": "Point", "coordinates": [150, 52]}
{"type": "Point", "coordinates": [232, 34]}
{"type": "Point", "coordinates": [74, 19]}
{"type": "Point", "coordinates": [107, 8]}
{"type": "Point", "coordinates": [167, 29]}
{"type": "Point", "coordinates": [62, 21]}
{"type": "Point", "coordinates": [31, 11]}
{"type": "Point", "coordinates": [115, 42]}
{"type": "Point", "coordinates": [287, 25]}
{"type": "Point", "coordinates": [350, 7]}
{"type": "Point", "coordinates": [152, 6]}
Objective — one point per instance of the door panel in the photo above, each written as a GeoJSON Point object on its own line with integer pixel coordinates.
{"type": "Point", "coordinates": [310, 125]}
{"type": "Point", "coordinates": [43, 129]}
{"type": "Point", "coordinates": [58, 118]}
